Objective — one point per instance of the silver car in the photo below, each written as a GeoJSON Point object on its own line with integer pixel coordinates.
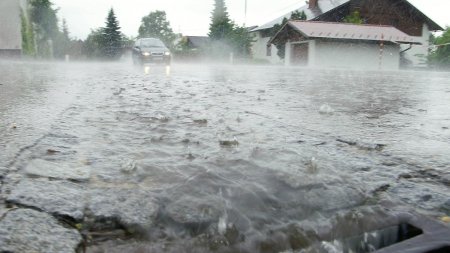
{"type": "Point", "coordinates": [151, 50]}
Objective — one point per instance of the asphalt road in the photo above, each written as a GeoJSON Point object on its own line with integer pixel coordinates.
{"type": "Point", "coordinates": [205, 157]}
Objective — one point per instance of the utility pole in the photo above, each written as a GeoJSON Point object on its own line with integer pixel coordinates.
{"type": "Point", "coordinates": [245, 13]}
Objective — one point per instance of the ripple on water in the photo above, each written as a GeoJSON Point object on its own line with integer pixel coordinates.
{"type": "Point", "coordinates": [225, 159]}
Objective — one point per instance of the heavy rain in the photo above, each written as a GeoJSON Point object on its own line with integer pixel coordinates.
{"type": "Point", "coordinates": [218, 151]}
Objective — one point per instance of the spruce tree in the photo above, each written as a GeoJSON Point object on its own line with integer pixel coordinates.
{"type": "Point", "coordinates": [112, 37]}
{"type": "Point", "coordinates": [221, 26]}
{"type": "Point", "coordinates": [65, 29]}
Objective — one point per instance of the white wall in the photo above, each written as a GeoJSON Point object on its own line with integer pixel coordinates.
{"type": "Point", "coordinates": [10, 24]}
{"type": "Point", "coordinates": [418, 53]}
{"type": "Point", "coordinates": [259, 49]}
{"type": "Point", "coordinates": [330, 54]}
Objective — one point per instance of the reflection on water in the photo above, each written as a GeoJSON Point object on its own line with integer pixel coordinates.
{"type": "Point", "coordinates": [289, 167]}
{"type": "Point", "coordinates": [149, 68]}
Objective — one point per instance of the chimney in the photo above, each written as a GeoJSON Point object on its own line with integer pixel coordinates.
{"type": "Point", "coordinates": [312, 4]}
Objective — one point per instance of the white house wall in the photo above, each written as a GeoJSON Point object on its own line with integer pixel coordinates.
{"type": "Point", "coordinates": [10, 28]}
{"type": "Point", "coordinates": [418, 53]}
{"type": "Point", "coordinates": [259, 50]}
{"type": "Point", "coordinates": [330, 54]}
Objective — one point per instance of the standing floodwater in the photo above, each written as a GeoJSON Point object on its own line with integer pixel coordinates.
{"type": "Point", "coordinates": [200, 158]}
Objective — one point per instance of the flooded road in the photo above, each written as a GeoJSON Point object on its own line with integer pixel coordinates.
{"type": "Point", "coordinates": [200, 158]}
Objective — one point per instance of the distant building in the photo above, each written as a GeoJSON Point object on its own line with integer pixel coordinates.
{"type": "Point", "coordinates": [192, 47]}
{"type": "Point", "coordinates": [10, 27]}
{"type": "Point", "coordinates": [196, 42]}
{"type": "Point", "coordinates": [397, 13]}
{"type": "Point", "coordinates": [342, 45]}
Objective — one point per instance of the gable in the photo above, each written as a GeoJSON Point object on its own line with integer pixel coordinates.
{"type": "Point", "coordinates": [398, 13]}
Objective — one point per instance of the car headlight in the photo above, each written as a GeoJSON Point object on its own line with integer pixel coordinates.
{"type": "Point", "coordinates": [167, 53]}
{"type": "Point", "coordinates": [145, 53]}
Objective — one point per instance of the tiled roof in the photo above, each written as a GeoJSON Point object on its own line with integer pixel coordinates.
{"type": "Point", "coordinates": [314, 29]}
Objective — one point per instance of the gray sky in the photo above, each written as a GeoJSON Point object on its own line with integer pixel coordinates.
{"type": "Point", "coordinates": [193, 17]}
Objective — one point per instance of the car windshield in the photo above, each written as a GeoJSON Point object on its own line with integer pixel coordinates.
{"type": "Point", "coordinates": [151, 43]}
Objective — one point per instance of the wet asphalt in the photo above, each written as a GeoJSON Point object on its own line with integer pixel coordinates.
{"type": "Point", "coordinates": [214, 157]}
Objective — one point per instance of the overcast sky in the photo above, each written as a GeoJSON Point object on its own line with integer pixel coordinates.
{"type": "Point", "coordinates": [193, 17]}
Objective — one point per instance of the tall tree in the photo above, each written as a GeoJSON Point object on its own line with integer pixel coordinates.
{"type": "Point", "coordinates": [28, 43]}
{"type": "Point", "coordinates": [41, 34]}
{"type": "Point", "coordinates": [221, 26]}
{"type": "Point", "coordinates": [156, 25]}
{"type": "Point", "coordinates": [112, 37]}
{"type": "Point", "coordinates": [62, 42]}
{"type": "Point", "coordinates": [227, 37]}
{"type": "Point", "coordinates": [44, 17]}
{"type": "Point", "coordinates": [65, 28]}
{"type": "Point", "coordinates": [45, 24]}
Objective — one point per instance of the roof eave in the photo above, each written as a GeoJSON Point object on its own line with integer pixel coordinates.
{"type": "Point", "coordinates": [408, 42]}
{"type": "Point", "coordinates": [289, 23]}
{"type": "Point", "coordinates": [353, 39]}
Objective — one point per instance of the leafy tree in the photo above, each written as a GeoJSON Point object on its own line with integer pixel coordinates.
{"type": "Point", "coordinates": [41, 35]}
{"type": "Point", "coordinates": [281, 47]}
{"type": "Point", "coordinates": [62, 41]}
{"type": "Point", "coordinates": [112, 37]}
{"type": "Point", "coordinates": [28, 46]}
{"type": "Point", "coordinates": [40, 32]}
{"type": "Point", "coordinates": [221, 26]}
{"type": "Point", "coordinates": [156, 25]}
{"type": "Point", "coordinates": [44, 17]}
{"type": "Point", "coordinates": [298, 15]}
{"type": "Point", "coordinates": [440, 57]}
{"type": "Point", "coordinates": [354, 18]}
{"type": "Point", "coordinates": [242, 40]}
{"type": "Point", "coordinates": [93, 45]}
{"type": "Point", "coordinates": [45, 24]}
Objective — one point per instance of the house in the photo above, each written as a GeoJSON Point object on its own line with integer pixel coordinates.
{"type": "Point", "coordinates": [10, 28]}
{"type": "Point", "coordinates": [342, 45]}
{"type": "Point", "coordinates": [196, 42]}
{"type": "Point", "coordinates": [400, 14]}
{"type": "Point", "coordinates": [191, 47]}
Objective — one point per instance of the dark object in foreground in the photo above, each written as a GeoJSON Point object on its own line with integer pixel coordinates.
{"type": "Point", "coordinates": [413, 234]}
{"type": "Point", "coordinates": [435, 237]}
